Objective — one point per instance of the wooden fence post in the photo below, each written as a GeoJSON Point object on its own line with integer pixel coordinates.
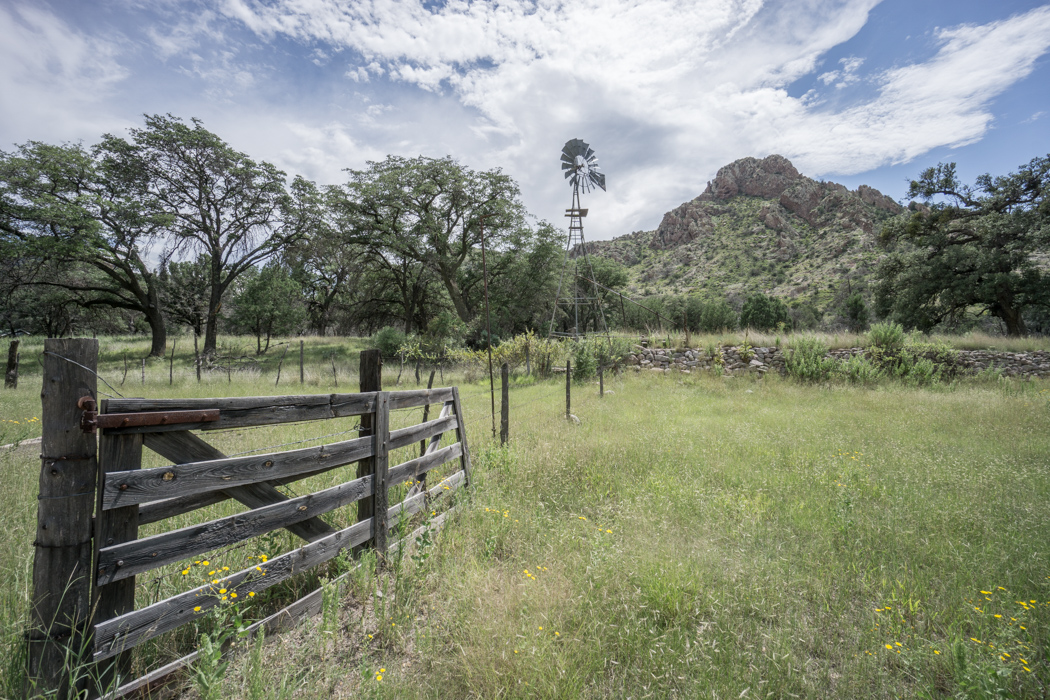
{"type": "Point", "coordinates": [171, 365]}
{"type": "Point", "coordinates": [116, 526]}
{"type": "Point", "coordinates": [143, 371]}
{"type": "Point", "coordinates": [62, 560]}
{"type": "Point", "coordinates": [504, 413]}
{"type": "Point", "coordinates": [379, 479]}
{"type": "Point", "coordinates": [426, 415]}
{"type": "Point", "coordinates": [568, 389]}
{"type": "Point", "coordinates": [371, 380]}
{"type": "Point", "coordinates": [11, 376]}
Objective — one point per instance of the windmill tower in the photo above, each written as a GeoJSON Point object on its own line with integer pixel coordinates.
{"type": "Point", "coordinates": [580, 301]}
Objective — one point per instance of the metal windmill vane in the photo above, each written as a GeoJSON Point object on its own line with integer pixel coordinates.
{"type": "Point", "coordinates": [580, 166]}
{"type": "Point", "coordinates": [583, 309]}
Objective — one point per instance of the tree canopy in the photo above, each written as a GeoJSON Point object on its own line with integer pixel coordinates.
{"type": "Point", "coordinates": [969, 249]}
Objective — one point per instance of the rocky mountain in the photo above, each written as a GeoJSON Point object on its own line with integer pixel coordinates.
{"type": "Point", "coordinates": [759, 226]}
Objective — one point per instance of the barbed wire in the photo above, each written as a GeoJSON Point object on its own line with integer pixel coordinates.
{"type": "Point", "coordinates": [74, 362]}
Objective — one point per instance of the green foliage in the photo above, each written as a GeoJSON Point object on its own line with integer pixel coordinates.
{"type": "Point", "coordinates": [268, 304]}
{"type": "Point", "coordinates": [584, 361]}
{"type": "Point", "coordinates": [717, 317]}
{"type": "Point", "coordinates": [971, 248]}
{"type": "Point", "coordinates": [764, 313]}
{"type": "Point", "coordinates": [388, 341]}
{"type": "Point", "coordinates": [887, 336]}
{"type": "Point", "coordinates": [856, 312]}
{"type": "Point", "coordinates": [858, 369]}
{"type": "Point", "coordinates": [807, 361]}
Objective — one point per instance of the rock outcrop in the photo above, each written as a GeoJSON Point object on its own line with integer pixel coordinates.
{"type": "Point", "coordinates": [774, 178]}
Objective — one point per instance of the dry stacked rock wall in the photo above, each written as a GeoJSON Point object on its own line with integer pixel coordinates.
{"type": "Point", "coordinates": [762, 360]}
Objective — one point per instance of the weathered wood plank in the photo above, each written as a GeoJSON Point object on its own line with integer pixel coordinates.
{"type": "Point", "coordinates": [419, 397]}
{"type": "Point", "coordinates": [170, 507]}
{"type": "Point", "coordinates": [113, 527]}
{"type": "Point", "coordinates": [235, 412]}
{"type": "Point", "coordinates": [344, 405]}
{"type": "Point", "coordinates": [130, 630]}
{"type": "Point", "coordinates": [433, 444]}
{"type": "Point", "coordinates": [155, 511]}
{"type": "Point", "coordinates": [414, 433]}
{"type": "Point", "coordinates": [245, 411]}
{"type": "Point", "coordinates": [185, 447]}
{"type": "Point", "coordinates": [123, 560]}
{"type": "Point", "coordinates": [126, 488]}
{"type": "Point", "coordinates": [421, 465]}
{"type": "Point", "coordinates": [414, 504]}
{"type": "Point", "coordinates": [461, 433]}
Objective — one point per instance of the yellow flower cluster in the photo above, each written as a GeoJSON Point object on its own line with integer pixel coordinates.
{"type": "Point", "coordinates": [27, 421]}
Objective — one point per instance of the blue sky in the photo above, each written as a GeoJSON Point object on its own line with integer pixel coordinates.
{"type": "Point", "coordinates": [666, 91]}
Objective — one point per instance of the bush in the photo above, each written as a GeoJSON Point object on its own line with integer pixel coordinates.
{"type": "Point", "coordinates": [584, 362]}
{"type": "Point", "coordinates": [388, 341]}
{"type": "Point", "coordinates": [856, 312]}
{"type": "Point", "coordinates": [764, 313]}
{"type": "Point", "coordinates": [717, 316]}
{"type": "Point", "coordinates": [886, 336]}
{"type": "Point", "coordinates": [859, 370]}
{"type": "Point", "coordinates": [807, 362]}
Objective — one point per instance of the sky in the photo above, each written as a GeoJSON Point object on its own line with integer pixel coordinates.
{"type": "Point", "coordinates": [665, 91]}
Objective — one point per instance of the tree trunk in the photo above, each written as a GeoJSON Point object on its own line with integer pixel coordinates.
{"type": "Point", "coordinates": [456, 296]}
{"type": "Point", "coordinates": [1011, 316]}
{"type": "Point", "coordinates": [155, 319]}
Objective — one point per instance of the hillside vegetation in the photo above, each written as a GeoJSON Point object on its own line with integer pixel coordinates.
{"type": "Point", "coordinates": [759, 227]}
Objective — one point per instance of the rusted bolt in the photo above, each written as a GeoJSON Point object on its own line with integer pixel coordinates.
{"type": "Point", "coordinates": [123, 487]}
{"type": "Point", "coordinates": [154, 554]}
{"type": "Point", "coordinates": [268, 463]}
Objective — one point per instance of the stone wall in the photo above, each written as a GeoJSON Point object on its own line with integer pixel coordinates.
{"type": "Point", "coordinates": [1012, 364]}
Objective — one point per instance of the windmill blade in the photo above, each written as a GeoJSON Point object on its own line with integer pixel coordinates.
{"type": "Point", "coordinates": [566, 157]}
{"type": "Point", "coordinates": [597, 178]}
{"type": "Point", "coordinates": [590, 152]}
{"type": "Point", "coordinates": [566, 166]}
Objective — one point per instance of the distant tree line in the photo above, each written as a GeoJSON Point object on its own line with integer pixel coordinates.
{"type": "Point", "coordinates": [173, 228]}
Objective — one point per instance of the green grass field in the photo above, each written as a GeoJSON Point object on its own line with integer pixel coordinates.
{"type": "Point", "coordinates": [692, 537]}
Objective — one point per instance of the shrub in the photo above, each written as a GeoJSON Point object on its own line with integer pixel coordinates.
{"type": "Point", "coordinates": [807, 362]}
{"type": "Point", "coordinates": [764, 313]}
{"type": "Point", "coordinates": [856, 312]}
{"type": "Point", "coordinates": [888, 336]}
{"type": "Point", "coordinates": [859, 370]}
{"type": "Point", "coordinates": [717, 316]}
{"type": "Point", "coordinates": [388, 341]}
{"type": "Point", "coordinates": [584, 362]}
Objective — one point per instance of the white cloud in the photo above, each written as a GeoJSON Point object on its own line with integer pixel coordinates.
{"type": "Point", "coordinates": [942, 102]}
{"type": "Point", "coordinates": [665, 90]}
{"type": "Point", "coordinates": [844, 77]}
{"type": "Point", "coordinates": [45, 61]}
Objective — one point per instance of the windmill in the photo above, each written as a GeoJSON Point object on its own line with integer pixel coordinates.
{"type": "Point", "coordinates": [580, 167]}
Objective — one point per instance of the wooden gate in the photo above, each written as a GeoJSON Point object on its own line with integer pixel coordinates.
{"type": "Point", "coordinates": [199, 475]}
